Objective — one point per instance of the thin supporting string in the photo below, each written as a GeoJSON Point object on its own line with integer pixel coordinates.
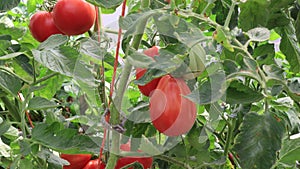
{"type": "Point", "coordinates": [26, 111]}
{"type": "Point", "coordinates": [112, 82]}
{"type": "Point", "coordinates": [117, 53]}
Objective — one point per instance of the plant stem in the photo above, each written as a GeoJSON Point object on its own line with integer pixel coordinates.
{"type": "Point", "coordinates": [44, 78]}
{"type": "Point", "coordinates": [187, 13]}
{"type": "Point", "coordinates": [228, 138]}
{"type": "Point", "coordinates": [117, 101]}
{"type": "Point", "coordinates": [174, 161]}
{"type": "Point", "coordinates": [229, 15]}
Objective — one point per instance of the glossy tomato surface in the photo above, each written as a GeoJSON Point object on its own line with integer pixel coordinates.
{"type": "Point", "coordinates": [41, 26]}
{"type": "Point", "coordinates": [77, 161]}
{"type": "Point", "coordinates": [74, 17]}
{"type": "Point", "coordinates": [93, 164]}
{"type": "Point", "coordinates": [170, 112]}
{"type": "Point", "coordinates": [149, 87]}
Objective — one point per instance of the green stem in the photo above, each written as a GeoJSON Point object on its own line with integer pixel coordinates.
{"type": "Point", "coordinates": [187, 13]}
{"type": "Point", "coordinates": [117, 101]}
{"type": "Point", "coordinates": [229, 15]}
{"type": "Point", "coordinates": [45, 78]}
{"type": "Point", "coordinates": [173, 161]}
{"type": "Point", "coordinates": [13, 110]}
{"type": "Point", "coordinates": [228, 138]}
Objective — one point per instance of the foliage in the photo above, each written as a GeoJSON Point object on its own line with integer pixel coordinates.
{"type": "Point", "coordinates": [241, 60]}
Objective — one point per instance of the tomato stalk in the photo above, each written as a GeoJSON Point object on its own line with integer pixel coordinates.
{"type": "Point", "coordinates": [229, 15]}
{"type": "Point", "coordinates": [174, 161]}
{"type": "Point", "coordinates": [117, 101]}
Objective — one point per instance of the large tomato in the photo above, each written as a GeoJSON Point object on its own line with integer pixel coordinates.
{"type": "Point", "coordinates": [171, 113]}
{"type": "Point", "coordinates": [73, 17]}
{"type": "Point", "coordinates": [77, 161]}
{"type": "Point", "coordinates": [93, 164]}
{"type": "Point", "coordinates": [149, 87]}
{"type": "Point", "coordinates": [41, 26]}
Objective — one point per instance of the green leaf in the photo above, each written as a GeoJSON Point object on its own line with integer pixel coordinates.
{"type": "Point", "coordinates": [264, 54]}
{"type": "Point", "coordinates": [8, 4]}
{"type": "Point", "coordinates": [4, 126]}
{"type": "Point", "coordinates": [269, 14]}
{"type": "Point", "coordinates": [92, 49]}
{"type": "Point", "coordinates": [253, 13]}
{"type": "Point", "coordinates": [259, 34]}
{"type": "Point", "coordinates": [289, 152]}
{"type": "Point", "coordinates": [67, 61]}
{"type": "Point", "coordinates": [53, 41]}
{"type": "Point", "coordinates": [11, 55]}
{"type": "Point", "coordinates": [106, 4]}
{"type": "Point", "coordinates": [259, 140]}
{"type": "Point", "coordinates": [14, 32]}
{"type": "Point", "coordinates": [38, 103]}
{"type": "Point", "coordinates": [211, 90]}
{"type": "Point", "coordinates": [31, 5]}
{"type": "Point", "coordinates": [223, 37]}
{"type": "Point", "coordinates": [138, 59]}
{"type": "Point", "coordinates": [64, 140]}
{"type": "Point", "coordinates": [9, 82]}
{"type": "Point", "coordinates": [4, 149]}
{"type": "Point", "coordinates": [51, 158]}
{"type": "Point", "coordinates": [290, 47]}
{"type": "Point", "coordinates": [238, 93]}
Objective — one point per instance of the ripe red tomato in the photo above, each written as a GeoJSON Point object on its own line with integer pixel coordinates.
{"type": "Point", "coordinates": [41, 26]}
{"type": "Point", "coordinates": [77, 161]}
{"type": "Point", "coordinates": [93, 164]}
{"type": "Point", "coordinates": [73, 17]}
{"type": "Point", "coordinates": [149, 87]}
{"type": "Point", "coordinates": [170, 112]}
{"type": "Point", "coordinates": [123, 161]}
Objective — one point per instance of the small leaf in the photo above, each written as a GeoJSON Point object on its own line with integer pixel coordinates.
{"type": "Point", "coordinates": [223, 37]}
{"type": "Point", "coordinates": [53, 41]}
{"type": "Point", "coordinates": [210, 91]}
{"type": "Point", "coordinates": [289, 152]}
{"type": "Point", "coordinates": [290, 47]}
{"type": "Point", "coordinates": [63, 140]}
{"type": "Point", "coordinates": [11, 55]}
{"type": "Point", "coordinates": [38, 103]}
{"type": "Point", "coordinates": [8, 4]}
{"type": "Point", "coordinates": [31, 5]}
{"type": "Point", "coordinates": [9, 82]}
{"type": "Point", "coordinates": [238, 93]}
{"type": "Point", "coordinates": [138, 59]}
{"type": "Point", "coordinates": [259, 34]}
{"type": "Point", "coordinates": [106, 4]}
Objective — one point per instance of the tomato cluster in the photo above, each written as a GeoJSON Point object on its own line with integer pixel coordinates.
{"type": "Point", "coordinates": [69, 17]}
{"type": "Point", "coordinates": [171, 113]}
{"type": "Point", "coordinates": [83, 161]}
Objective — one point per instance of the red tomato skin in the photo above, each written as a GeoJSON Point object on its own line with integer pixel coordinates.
{"type": "Point", "coordinates": [170, 112]}
{"type": "Point", "coordinates": [73, 17]}
{"type": "Point", "coordinates": [93, 164]}
{"type": "Point", "coordinates": [77, 161]}
{"type": "Point", "coordinates": [41, 26]}
{"type": "Point", "coordinates": [123, 161]}
{"type": "Point", "coordinates": [149, 87]}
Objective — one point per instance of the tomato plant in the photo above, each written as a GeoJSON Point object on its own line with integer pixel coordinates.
{"type": "Point", "coordinates": [42, 26]}
{"type": "Point", "coordinates": [171, 113]}
{"type": "Point", "coordinates": [77, 161]}
{"type": "Point", "coordinates": [73, 17]}
{"type": "Point", "coordinates": [150, 86]}
{"type": "Point", "coordinates": [227, 96]}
